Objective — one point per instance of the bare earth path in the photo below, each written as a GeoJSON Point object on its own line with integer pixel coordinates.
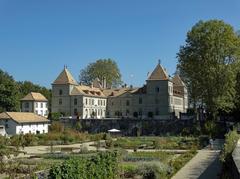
{"type": "Point", "coordinates": [205, 165]}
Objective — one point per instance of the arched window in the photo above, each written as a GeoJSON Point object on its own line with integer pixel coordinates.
{"type": "Point", "coordinates": [60, 92]}
{"type": "Point", "coordinates": [127, 102]}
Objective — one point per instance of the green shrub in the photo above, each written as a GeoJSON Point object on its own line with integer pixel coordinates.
{"type": "Point", "coordinates": [231, 139]}
{"type": "Point", "coordinates": [29, 139]}
{"type": "Point", "coordinates": [56, 127]}
{"type": "Point", "coordinates": [55, 116]}
{"type": "Point", "coordinates": [96, 137]}
{"type": "Point", "coordinates": [103, 165]}
{"type": "Point", "coordinates": [129, 171]}
{"type": "Point", "coordinates": [179, 162]}
{"type": "Point", "coordinates": [152, 171]}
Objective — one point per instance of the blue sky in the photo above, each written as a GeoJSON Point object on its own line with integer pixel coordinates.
{"type": "Point", "coordinates": [37, 38]}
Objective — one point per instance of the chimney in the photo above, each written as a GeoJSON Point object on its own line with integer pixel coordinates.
{"type": "Point", "coordinates": [104, 83]}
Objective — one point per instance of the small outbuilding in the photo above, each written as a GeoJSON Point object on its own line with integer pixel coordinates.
{"type": "Point", "coordinates": [36, 103]}
{"type": "Point", "coordinates": [23, 123]}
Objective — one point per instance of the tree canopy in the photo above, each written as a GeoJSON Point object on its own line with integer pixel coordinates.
{"type": "Point", "coordinates": [12, 91]}
{"type": "Point", "coordinates": [102, 69]}
{"type": "Point", "coordinates": [9, 93]}
{"type": "Point", "coordinates": [208, 63]}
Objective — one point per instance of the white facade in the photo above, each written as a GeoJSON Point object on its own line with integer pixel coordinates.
{"type": "Point", "coordinates": [36, 103]}
{"type": "Point", "coordinates": [13, 128]}
{"type": "Point", "coordinates": [33, 128]}
{"type": "Point", "coordinates": [94, 107]}
{"type": "Point", "coordinates": [38, 107]}
{"type": "Point", "coordinates": [41, 108]}
{"type": "Point", "coordinates": [23, 123]}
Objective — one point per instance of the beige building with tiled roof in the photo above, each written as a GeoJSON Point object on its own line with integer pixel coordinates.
{"type": "Point", "coordinates": [36, 103]}
{"type": "Point", "coordinates": [158, 98]}
{"type": "Point", "coordinates": [72, 99]}
{"type": "Point", "coordinates": [23, 122]}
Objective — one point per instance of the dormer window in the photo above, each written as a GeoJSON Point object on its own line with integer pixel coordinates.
{"type": "Point", "coordinates": [60, 92]}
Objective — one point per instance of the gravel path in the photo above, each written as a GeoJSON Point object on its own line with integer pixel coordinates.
{"type": "Point", "coordinates": [205, 164]}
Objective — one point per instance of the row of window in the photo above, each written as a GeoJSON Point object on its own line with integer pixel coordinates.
{"type": "Point", "coordinates": [140, 101]}
{"type": "Point", "coordinates": [87, 102]}
{"type": "Point", "coordinates": [94, 112]}
{"type": "Point", "coordinates": [135, 114]}
{"type": "Point", "coordinates": [100, 102]}
{"type": "Point", "coordinates": [26, 105]}
{"type": "Point", "coordinates": [41, 112]}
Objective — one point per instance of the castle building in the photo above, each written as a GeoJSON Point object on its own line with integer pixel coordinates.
{"type": "Point", "coordinates": [73, 99]}
{"type": "Point", "coordinates": [36, 103]}
{"type": "Point", "coordinates": [160, 97]}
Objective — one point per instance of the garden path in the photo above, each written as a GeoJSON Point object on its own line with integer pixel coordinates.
{"type": "Point", "coordinates": [34, 150]}
{"type": "Point", "coordinates": [205, 164]}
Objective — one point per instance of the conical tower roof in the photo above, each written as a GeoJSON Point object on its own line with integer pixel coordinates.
{"type": "Point", "coordinates": [177, 81]}
{"type": "Point", "coordinates": [65, 77]}
{"type": "Point", "coordinates": [158, 73]}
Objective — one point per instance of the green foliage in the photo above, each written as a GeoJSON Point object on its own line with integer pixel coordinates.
{"type": "Point", "coordinates": [55, 116]}
{"type": "Point", "coordinates": [157, 142]}
{"type": "Point", "coordinates": [231, 139]}
{"type": "Point", "coordinates": [56, 127]}
{"type": "Point", "coordinates": [129, 170]}
{"type": "Point", "coordinates": [78, 126]}
{"type": "Point", "coordinates": [208, 63]}
{"type": "Point", "coordinates": [26, 87]}
{"type": "Point", "coordinates": [152, 171]}
{"type": "Point", "coordinates": [179, 162]}
{"type": "Point", "coordinates": [147, 156]}
{"type": "Point", "coordinates": [101, 69]}
{"type": "Point", "coordinates": [29, 139]}
{"type": "Point", "coordinates": [103, 165]}
{"type": "Point", "coordinates": [210, 128]}
{"type": "Point", "coordinates": [9, 93]}
{"type": "Point", "coordinates": [6, 152]}
{"type": "Point", "coordinates": [18, 141]}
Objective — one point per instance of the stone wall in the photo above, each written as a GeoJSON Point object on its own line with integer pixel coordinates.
{"type": "Point", "coordinates": [133, 127]}
{"type": "Point", "coordinates": [235, 164]}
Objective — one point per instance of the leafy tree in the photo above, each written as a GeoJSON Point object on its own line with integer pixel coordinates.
{"type": "Point", "coordinates": [26, 87]}
{"type": "Point", "coordinates": [208, 63]}
{"type": "Point", "coordinates": [102, 69]}
{"type": "Point", "coordinates": [231, 140]}
{"type": "Point", "coordinates": [9, 93]}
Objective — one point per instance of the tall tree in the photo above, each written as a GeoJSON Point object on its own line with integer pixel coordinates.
{"type": "Point", "coordinates": [102, 69]}
{"type": "Point", "coordinates": [9, 93]}
{"type": "Point", "coordinates": [26, 87]}
{"type": "Point", "coordinates": [208, 63]}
